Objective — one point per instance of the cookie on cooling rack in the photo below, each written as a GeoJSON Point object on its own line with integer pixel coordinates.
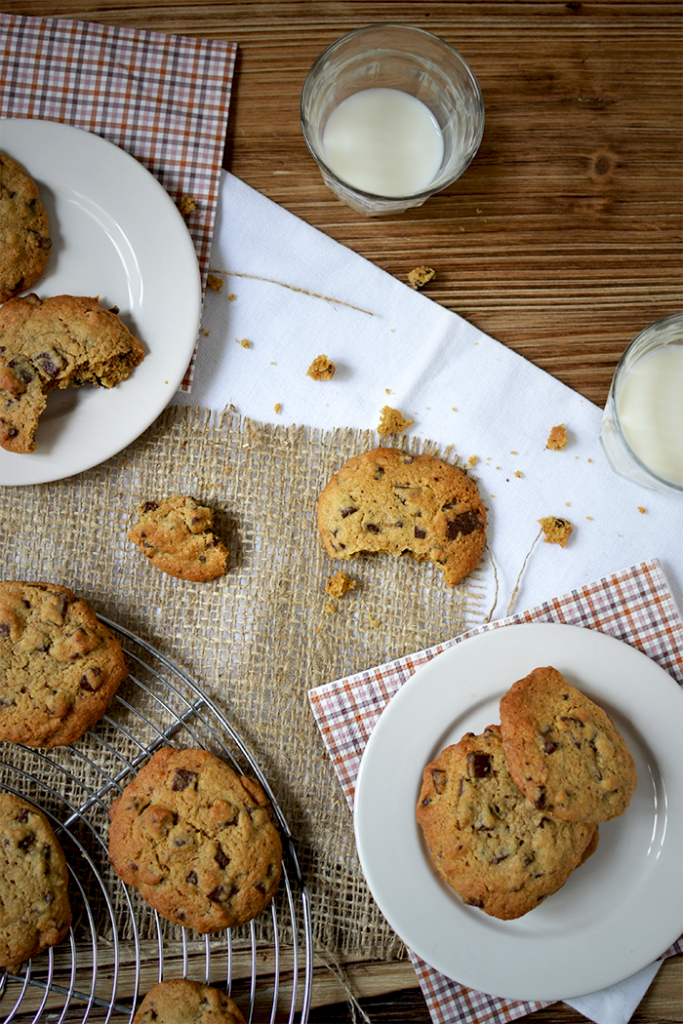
{"type": "Point", "coordinates": [564, 751]}
{"type": "Point", "coordinates": [488, 842]}
{"type": "Point", "coordinates": [24, 230]}
{"type": "Point", "coordinates": [59, 666]}
{"type": "Point", "coordinates": [390, 502]}
{"type": "Point", "coordinates": [179, 1000]}
{"type": "Point", "coordinates": [176, 535]}
{"type": "Point", "coordinates": [34, 900]}
{"type": "Point", "coordinates": [196, 840]}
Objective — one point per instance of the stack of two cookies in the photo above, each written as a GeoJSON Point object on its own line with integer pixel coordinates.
{"type": "Point", "coordinates": [509, 814]}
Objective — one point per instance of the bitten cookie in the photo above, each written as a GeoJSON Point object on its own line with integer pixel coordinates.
{"type": "Point", "coordinates": [176, 535]}
{"type": "Point", "coordinates": [487, 841]}
{"type": "Point", "coordinates": [24, 230]}
{"type": "Point", "coordinates": [196, 839]}
{"type": "Point", "coordinates": [564, 751]}
{"type": "Point", "coordinates": [34, 880]}
{"type": "Point", "coordinates": [390, 502]}
{"type": "Point", "coordinates": [59, 666]}
{"type": "Point", "coordinates": [179, 1001]}
{"type": "Point", "coordinates": [61, 342]}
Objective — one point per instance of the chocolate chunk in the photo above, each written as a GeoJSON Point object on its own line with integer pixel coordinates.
{"type": "Point", "coordinates": [347, 511]}
{"type": "Point", "coordinates": [420, 534]}
{"type": "Point", "coordinates": [192, 878]}
{"type": "Point", "coordinates": [221, 859]}
{"type": "Point", "coordinates": [479, 765]}
{"type": "Point", "coordinates": [440, 778]}
{"type": "Point", "coordinates": [466, 522]}
{"type": "Point", "coordinates": [372, 528]}
{"type": "Point", "coordinates": [183, 778]}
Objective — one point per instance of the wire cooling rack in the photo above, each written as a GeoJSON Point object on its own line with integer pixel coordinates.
{"type": "Point", "coordinates": [96, 972]}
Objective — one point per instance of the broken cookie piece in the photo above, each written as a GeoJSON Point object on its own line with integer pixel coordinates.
{"type": "Point", "coordinates": [556, 530]}
{"type": "Point", "coordinates": [557, 438]}
{"type": "Point", "coordinates": [61, 342]}
{"type": "Point", "coordinates": [392, 422]}
{"type": "Point", "coordinates": [321, 368]}
{"type": "Point", "coordinates": [339, 584]}
{"type": "Point", "coordinates": [389, 502]}
{"type": "Point", "coordinates": [176, 535]}
{"type": "Point", "coordinates": [420, 276]}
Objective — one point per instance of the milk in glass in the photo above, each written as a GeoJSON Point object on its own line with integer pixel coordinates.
{"type": "Point", "coordinates": [650, 409]}
{"type": "Point", "coordinates": [383, 141]}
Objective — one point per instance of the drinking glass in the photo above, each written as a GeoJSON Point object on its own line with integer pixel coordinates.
{"type": "Point", "coordinates": [395, 57]}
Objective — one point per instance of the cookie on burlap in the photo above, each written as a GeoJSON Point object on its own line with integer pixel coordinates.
{"type": "Point", "coordinates": [196, 840]}
{"type": "Point", "coordinates": [390, 502]}
{"type": "Point", "coordinates": [487, 841]}
{"type": "Point", "coordinates": [564, 751]}
{"type": "Point", "coordinates": [179, 1001]}
{"type": "Point", "coordinates": [24, 230]}
{"type": "Point", "coordinates": [34, 881]}
{"type": "Point", "coordinates": [176, 535]}
{"type": "Point", "coordinates": [61, 342]}
{"type": "Point", "coordinates": [59, 666]}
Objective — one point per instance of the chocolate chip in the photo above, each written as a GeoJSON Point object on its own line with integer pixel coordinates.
{"type": "Point", "coordinates": [27, 842]}
{"type": "Point", "coordinates": [221, 859]}
{"type": "Point", "coordinates": [50, 363]}
{"type": "Point", "coordinates": [420, 534]}
{"type": "Point", "coordinates": [192, 878]}
{"type": "Point", "coordinates": [379, 472]}
{"type": "Point", "coordinates": [548, 746]}
{"type": "Point", "coordinates": [440, 779]}
{"type": "Point", "coordinates": [475, 902]}
{"type": "Point", "coordinates": [4, 629]}
{"type": "Point", "coordinates": [479, 765]}
{"type": "Point", "coordinates": [23, 815]}
{"type": "Point", "coordinates": [372, 528]}
{"type": "Point", "coordinates": [149, 506]}
{"type": "Point", "coordinates": [183, 778]}
{"type": "Point", "coordinates": [347, 511]}
{"type": "Point", "coordinates": [466, 522]}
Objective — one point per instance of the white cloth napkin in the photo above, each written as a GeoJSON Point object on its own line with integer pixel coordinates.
{"type": "Point", "coordinates": [290, 293]}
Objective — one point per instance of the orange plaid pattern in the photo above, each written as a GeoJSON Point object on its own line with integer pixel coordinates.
{"type": "Point", "coordinates": [634, 605]}
{"type": "Point", "coordinates": [162, 98]}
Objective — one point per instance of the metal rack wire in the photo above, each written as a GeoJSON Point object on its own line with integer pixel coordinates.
{"type": "Point", "coordinates": [96, 970]}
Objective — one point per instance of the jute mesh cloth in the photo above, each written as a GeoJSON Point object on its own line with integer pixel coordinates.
{"type": "Point", "coordinates": [257, 639]}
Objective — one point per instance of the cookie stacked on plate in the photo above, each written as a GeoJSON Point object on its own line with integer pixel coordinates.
{"type": "Point", "coordinates": [509, 814]}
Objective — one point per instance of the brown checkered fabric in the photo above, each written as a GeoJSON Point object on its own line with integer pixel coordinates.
{"type": "Point", "coordinates": [162, 98]}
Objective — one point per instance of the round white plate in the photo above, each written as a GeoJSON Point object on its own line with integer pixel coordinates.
{"type": "Point", "coordinates": [617, 912]}
{"type": "Point", "coordinates": [116, 234]}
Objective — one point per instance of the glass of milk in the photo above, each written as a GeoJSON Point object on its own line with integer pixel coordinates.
{"type": "Point", "coordinates": [391, 114]}
{"type": "Point", "coordinates": [642, 425]}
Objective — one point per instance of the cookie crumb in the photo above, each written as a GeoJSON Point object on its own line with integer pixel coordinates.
{"type": "Point", "coordinates": [641, 509]}
{"type": "Point", "coordinates": [392, 422]}
{"type": "Point", "coordinates": [420, 276]}
{"type": "Point", "coordinates": [557, 438]}
{"type": "Point", "coordinates": [518, 473]}
{"type": "Point", "coordinates": [339, 584]}
{"type": "Point", "coordinates": [187, 205]}
{"type": "Point", "coordinates": [231, 297]}
{"type": "Point", "coordinates": [214, 282]}
{"type": "Point", "coordinates": [321, 368]}
{"type": "Point", "coordinates": [473, 460]}
{"type": "Point", "coordinates": [277, 407]}
{"type": "Point", "coordinates": [556, 530]}
{"type": "Point", "coordinates": [244, 342]}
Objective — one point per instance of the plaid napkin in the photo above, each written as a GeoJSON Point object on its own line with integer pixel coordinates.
{"type": "Point", "coordinates": [634, 605]}
{"type": "Point", "coordinates": [162, 98]}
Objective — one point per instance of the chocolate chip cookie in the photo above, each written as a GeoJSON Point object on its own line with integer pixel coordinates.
{"type": "Point", "coordinates": [59, 666]}
{"type": "Point", "coordinates": [176, 535]}
{"type": "Point", "coordinates": [34, 900]}
{"type": "Point", "coordinates": [179, 1001]}
{"type": "Point", "coordinates": [61, 342]}
{"type": "Point", "coordinates": [488, 842]}
{"type": "Point", "coordinates": [564, 751]}
{"type": "Point", "coordinates": [24, 230]}
{"type": "Point", "coordinates": [196, 839]}
{"type": "Point", "coordinates": [390, 502]}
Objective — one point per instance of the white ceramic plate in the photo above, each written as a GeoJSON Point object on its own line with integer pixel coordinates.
{"type": "Point", "coordinates": [117, 234]}
{"type": "Point", "coordinates": [620, 910]}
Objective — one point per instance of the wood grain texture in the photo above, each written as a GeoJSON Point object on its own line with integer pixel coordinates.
{"type": "Point", "coordinates": [562, 240]}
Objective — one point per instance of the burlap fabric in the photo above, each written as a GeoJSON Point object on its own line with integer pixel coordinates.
{"type": "Point", "coordinates": [260, 637]}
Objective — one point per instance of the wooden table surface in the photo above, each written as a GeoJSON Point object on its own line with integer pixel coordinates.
{"type": "Point", "coordinates": [562, 239]}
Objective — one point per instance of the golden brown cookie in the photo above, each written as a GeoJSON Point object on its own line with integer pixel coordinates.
{"type": "Point", "coordinates": [196, 839]}
{"type": "Point", "coordinates": [390, 502]}
{"type": "Point", "coordinates": [564, 751]}
{"type": "Point", "coordinates": [34, 881]}
{"type": "Point", "coordinates": [176, 535]}
{"type": "Point", "coordinates": [488, 842]}
{"type": "Point", "coordinates": [180, 1001]}
{"type": "Point", "coordinates": [61, 342]}
{"type": "Point", "coordinates": [24, 230]}
{"type": "Point", "coordinates": [59, 666]}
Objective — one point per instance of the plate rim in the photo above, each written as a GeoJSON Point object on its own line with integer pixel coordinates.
{"type": "Point", "coordinates": [186, 288]}
{"type": "Point", "coordinates": [365, 782]}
